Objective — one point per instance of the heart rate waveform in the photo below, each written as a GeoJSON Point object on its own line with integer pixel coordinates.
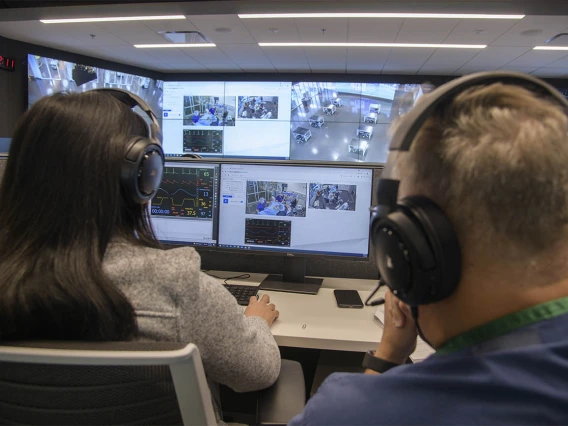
{"type": "Point", "coordinates": [185, 192]}
{"type": "Point", "coordinates": [264, 232]}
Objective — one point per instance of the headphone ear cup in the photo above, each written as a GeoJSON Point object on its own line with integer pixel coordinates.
{"type": "Point", "coordinates": [417, 251]}
{"type": "Point", "coordinates": [142, 168]}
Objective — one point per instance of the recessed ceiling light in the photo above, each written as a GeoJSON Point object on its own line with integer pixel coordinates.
{"type": "Point", "coordinates": [428, 46]}
{"type": "Point", "coordinates": [112, 19]}
{"type": "Point", "coordinates": [174, 45]}
{"type": "Point", "coordinates": [379, 15]}
{"type": "Point", "coordinates": [223, 30]}
{"type": "Point", "coordinates": [551, 48]}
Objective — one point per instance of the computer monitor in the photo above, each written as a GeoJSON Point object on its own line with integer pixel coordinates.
{"type": "Point", "coordinates": [296, 211]}
{"type": "Point", "coordinates": [184, 210]}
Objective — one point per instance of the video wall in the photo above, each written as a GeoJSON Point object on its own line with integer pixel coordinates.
{"type": "Point", "coordinates": [237, 119]}
{"type": "Point", "coordinates": [47, 76]}
{"type": "Point", "coordinates": [325, 121]}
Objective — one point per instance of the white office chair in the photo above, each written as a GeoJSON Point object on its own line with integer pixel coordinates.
{"type": "Point", "coordinates": [121, 383]}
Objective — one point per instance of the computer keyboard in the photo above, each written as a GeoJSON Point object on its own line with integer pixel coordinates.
{"type": "Point", "coordinates": [242, 293]}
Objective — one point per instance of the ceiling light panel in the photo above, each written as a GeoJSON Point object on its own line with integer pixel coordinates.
{"type": "Point", "coordinates": [170, 45]}
{"type": "Point", "coordinates": [551, 48]}
{"type": "Point", "coordinates": [112, 19]}
{"type": "Point", "coordinates": [378, 15]}
{"type": "Point", "coordinates": [419, 45]}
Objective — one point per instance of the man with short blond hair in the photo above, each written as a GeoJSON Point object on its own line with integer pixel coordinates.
{"type": "Point", "coordinates": [495, 159]}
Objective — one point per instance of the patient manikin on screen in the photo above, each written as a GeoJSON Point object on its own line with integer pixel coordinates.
{"type": "Point", "coordinates": [184, 210]}
{"type": "Point", "coordinates": [311, 210]}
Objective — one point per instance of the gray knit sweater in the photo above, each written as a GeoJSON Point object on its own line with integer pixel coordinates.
{"type": "Point", "coordinates": [174, 301]}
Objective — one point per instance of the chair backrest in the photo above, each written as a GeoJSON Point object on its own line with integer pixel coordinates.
{"type": "Point", "coordinates": [103, 383]}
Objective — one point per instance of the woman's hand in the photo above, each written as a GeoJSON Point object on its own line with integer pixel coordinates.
{"type": "Point", "coordinates": [262, 308]}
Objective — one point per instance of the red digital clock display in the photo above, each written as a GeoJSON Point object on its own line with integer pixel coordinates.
{"type": "Point", "coordinates": [7, 63]}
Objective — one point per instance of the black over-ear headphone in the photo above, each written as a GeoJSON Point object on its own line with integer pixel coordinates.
{"type": "Point", "coordinates": [416, 247]}
{"type": "Point", "coordinates": [143, 164]}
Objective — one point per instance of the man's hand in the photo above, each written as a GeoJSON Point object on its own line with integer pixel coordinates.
{"type": "Point", "coordinates": [399, 332]}
{"type": "Point", "coordinates": [262, 308]}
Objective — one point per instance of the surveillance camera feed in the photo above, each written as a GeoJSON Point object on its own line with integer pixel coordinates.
{"type": "Point", "coordinates": [47, 76]}
{"type": "Point", "coordinates": [347, 121]}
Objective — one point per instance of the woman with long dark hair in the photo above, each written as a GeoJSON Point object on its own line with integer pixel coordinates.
{"type": "Point", "coordinates": [79, 259]}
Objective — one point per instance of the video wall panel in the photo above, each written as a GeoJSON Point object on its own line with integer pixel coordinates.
{"type": "Point", "coordinates": [325, 121]}
{"type": "Point", "coordinates": [47, 76]}
{"type": "Point", "coordinates": [338, 121]}
{"type": "Point", "coordinates": [237, 119]}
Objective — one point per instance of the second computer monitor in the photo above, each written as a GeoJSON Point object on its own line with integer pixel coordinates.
{"type": "Point", "coordinates": [184, 210]}
{"type": "Point", "coordinates": [296, 209]}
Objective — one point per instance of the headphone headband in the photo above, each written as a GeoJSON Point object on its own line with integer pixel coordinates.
{"type": "Point", "coordinates": [132, 101]}
{"type": "Point", "coordinates": [417, 249]}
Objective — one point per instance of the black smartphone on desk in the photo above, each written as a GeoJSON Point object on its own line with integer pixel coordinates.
{"type": "Point", "coordinates": [348, 299]}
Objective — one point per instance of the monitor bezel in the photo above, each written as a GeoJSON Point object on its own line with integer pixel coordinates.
{"type": "Point", "coordinates": [175, 244]}
{"type": "Point", "coordinates": [294, 163]}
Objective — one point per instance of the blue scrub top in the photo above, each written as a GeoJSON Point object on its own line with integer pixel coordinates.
{"type": "Point", "coordinates": [512, 371]}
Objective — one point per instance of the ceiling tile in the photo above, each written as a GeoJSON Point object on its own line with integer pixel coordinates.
{"type": "Point", "coordinates": [494, 57]}
{"type": "Point", "coordinates": [470, 69]}
{"type": "Point", "coordinates": [436, 71]}
{"type": "Point", "coordinates": [366, 59]}
{"type": "Point", "coordinates": [331, 58]}
{"type": "Point", "coordinates": [526, 70]}
{"type": "Point", "coordinates": [561, 63]}
{"type": "Point", "coordinates": [81, 34]}
{"type": "Point", "coordinates": [272, 30]}
{"type": "Point", "coordinates": [224, 67]}
{"type": "Point", "coordinates": [479, 31]}
{"type": "Point", "coordinates": [207, 24]}
{"type": "Point", "coordinates": [293, 57]}
{"type": "Point", "coordinates": [551, 72]}
{"type": "Point", "coordinates": [550, 25]}
{"type": "Point", "coordinates": [425, 30]}
{"type": "Point", "coordinates": [373, 30]}
{"type": "Point", "coordinates": [244, 52]}
{"type": "Point", "coordinates": [170, 25]}
{"type": "Point", "coordinates": [403, 57]}
{"type": "Point", "coordinates": [447, 60]}
{"type": "Point", "coordinates": [132, 32]}
{"type": "Point", "coordinates": [207, 55]}
{"type": "Point", "coordinates": [310, 30]}
{"type": "Point", "coordinates": [537, 58]}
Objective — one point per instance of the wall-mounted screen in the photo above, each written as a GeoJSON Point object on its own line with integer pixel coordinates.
{"type": "Point", "coordinates": [322, 121]}
{"type": "Point", "coordinates": [47, 76]}
{"type": "Point", "coordinates": [338, 121]}
{"type": "Point", "coordinates": [237, 119]}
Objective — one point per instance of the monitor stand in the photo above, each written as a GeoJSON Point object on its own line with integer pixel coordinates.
{"type": "Point", "coordinates": [293, 280]}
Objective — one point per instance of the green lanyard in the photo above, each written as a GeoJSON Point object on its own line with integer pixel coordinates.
{"type": "Point", "coordinates": [505, 325]}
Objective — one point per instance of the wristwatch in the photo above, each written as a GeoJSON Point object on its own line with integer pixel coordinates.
{"type": "Point", "coordinates": [377, 364]}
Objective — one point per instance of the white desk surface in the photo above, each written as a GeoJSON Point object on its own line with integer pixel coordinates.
{"type": "Point", "coordinates": [315, 321]}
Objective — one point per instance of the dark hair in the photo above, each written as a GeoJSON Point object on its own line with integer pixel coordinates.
{"type": "Point", "coordinates": [61, 204]}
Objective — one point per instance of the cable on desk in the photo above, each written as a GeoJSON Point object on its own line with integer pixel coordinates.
{"type": "Point", "coordinates": [378, 301]}
{"type": "Point", "coordinates": [236, 277]}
